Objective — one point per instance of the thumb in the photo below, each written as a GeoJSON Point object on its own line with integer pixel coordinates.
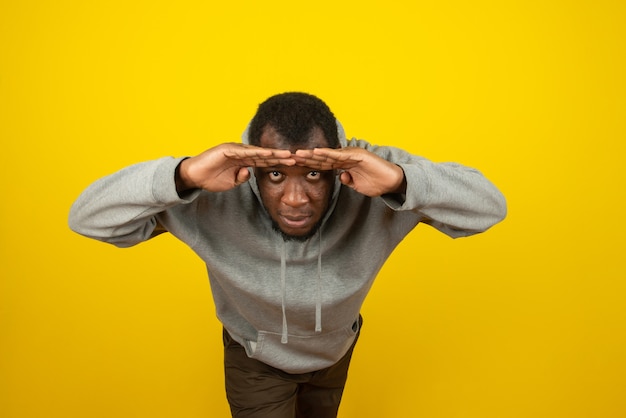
{"type": "Point", "coordinates": [242, 176]}
{"type": "Point", "coordinates": [346, 178]}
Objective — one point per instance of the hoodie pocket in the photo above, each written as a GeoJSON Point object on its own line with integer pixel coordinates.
{"type": "Point", "coordinates": [303, 354]}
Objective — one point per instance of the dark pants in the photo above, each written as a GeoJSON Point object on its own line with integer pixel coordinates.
{"type": "Point", "coordinates": [256, 390]}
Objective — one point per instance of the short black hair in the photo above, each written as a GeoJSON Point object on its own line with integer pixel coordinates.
{"type": "Point", "coordinates": [294, 115]}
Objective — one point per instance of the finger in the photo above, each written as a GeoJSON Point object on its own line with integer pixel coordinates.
{"type": "Point", "coordinates": [323, 163]}
{"type": "Point", "coordinates": [341, 157]}
{"type": "Point", "coordinates": [275, 157]}
{"type": "Point", "coordinates": [246, 152]}
{"type": "Point", "coordinates": [261, 157]}
{"type": "Point", "coordinates": [339, 154]}
{"type": "Point", "coordinates": [319, 154]}
{"type": "Point", "coordinates": [271, 162]}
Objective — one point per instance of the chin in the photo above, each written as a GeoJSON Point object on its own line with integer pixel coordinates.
{"type": "Point", "coordinates": [299, 237]}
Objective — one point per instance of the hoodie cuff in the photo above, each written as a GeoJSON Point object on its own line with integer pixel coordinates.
{"type": "Point", "coordinates": [164, 183]}
{"type": "Point", "coordinates": [417, 186]}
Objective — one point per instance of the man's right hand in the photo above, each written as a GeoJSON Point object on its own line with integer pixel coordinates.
{"type": "Point", "coordinates": [225, 166]}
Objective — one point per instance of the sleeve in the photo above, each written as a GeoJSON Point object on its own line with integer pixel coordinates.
{"type": "Point", "coordinates": [121, 208]}
{"type": "Point", "coordinates": [457, 200]}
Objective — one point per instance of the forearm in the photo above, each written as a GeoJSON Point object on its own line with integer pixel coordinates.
{"type": "Point", "coordinates": [121, 208]}
{"type": "Point", "coordinates": [455, 199]}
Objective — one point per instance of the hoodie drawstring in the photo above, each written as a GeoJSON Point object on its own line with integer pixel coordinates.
{"type": "Point", "coordinates": [318, 302]}
{"type": "Point", "coordinates": [283, 289]}
{"type": "Point", "coordinates": [283, 286]}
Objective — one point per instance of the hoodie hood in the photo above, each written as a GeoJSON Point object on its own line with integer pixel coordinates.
{"type": "Point", "coordinates": [283, 264]}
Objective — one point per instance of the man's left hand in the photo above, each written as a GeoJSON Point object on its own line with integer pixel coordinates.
{"type": "Point", "coordinates": [363, 171]}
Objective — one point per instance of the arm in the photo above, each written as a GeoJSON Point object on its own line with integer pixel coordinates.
{"type": "Point", "coordinates": [121, 208]}
{"type": "Point", "coordinates": [457, 200]}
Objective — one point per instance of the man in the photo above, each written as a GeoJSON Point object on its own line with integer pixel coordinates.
{"type": "Point", "coordinates": [293, 224]}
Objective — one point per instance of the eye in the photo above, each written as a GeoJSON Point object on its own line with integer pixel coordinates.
{"type": "Point", "coordinates": [275, 175]}
{"type": "Point", "coordinates": [313, 175]}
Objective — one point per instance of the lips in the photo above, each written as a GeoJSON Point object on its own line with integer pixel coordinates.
{"type": "Point", "coordinates": [295, 221]}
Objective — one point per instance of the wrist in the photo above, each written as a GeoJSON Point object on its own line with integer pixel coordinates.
{"type": "Point", "coordinates": [181, 179]}
{"type": "Point", "coordinates": [400, 187]}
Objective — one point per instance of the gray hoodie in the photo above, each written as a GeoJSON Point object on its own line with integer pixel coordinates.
{"type": "Point", "coordinates": [291, 304]}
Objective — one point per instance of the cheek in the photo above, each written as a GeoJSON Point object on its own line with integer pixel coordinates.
{"type": "Point", "coordinates": [318, 194]}
{"type": "Point", "coordinates": [270, 193]}
{"type": "Point", "coordinates": [321, 195]}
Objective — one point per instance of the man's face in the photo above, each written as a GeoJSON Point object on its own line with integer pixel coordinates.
{"type": "Point", "coordinates": [296, 198]}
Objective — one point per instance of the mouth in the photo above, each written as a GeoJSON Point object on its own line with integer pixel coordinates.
{"type": "Point", "coordinates": [295, 221]}
{"type": "Point", "coordinates": [296, 226]}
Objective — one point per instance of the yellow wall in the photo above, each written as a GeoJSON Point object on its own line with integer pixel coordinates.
{"type": "Point", "coordinates": [528, 320]}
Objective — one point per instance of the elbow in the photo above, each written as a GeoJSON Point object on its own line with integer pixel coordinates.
{"type": "Point", "coordinates": [494, 212]}
{"type": "Point", "coordinates": [99, 235]}
{"type": "Point", "coordinates": [75, 221]}
{"type": "Point", "coordinates": [121, 236]}
{"type": "Point", "coordinates": [500, 208]}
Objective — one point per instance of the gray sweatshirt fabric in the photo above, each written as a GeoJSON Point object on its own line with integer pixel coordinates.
{"type": "Point", "coordinates": [291, 304]}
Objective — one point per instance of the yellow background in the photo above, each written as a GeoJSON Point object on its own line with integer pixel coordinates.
{"type": "Point", "coordinates": [527, 320]}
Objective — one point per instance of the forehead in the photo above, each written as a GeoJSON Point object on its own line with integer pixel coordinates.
{"type": "Point", "coordinates": [270, 138]}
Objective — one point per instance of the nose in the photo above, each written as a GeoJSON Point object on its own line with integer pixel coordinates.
{"type": "Point", "coordinates": [294, 193]}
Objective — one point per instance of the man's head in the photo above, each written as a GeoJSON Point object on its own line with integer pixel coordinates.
{"type": "Point", "coordinates": [296, 198]}
{"type": "Point", "coordinates": [294, 115]}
